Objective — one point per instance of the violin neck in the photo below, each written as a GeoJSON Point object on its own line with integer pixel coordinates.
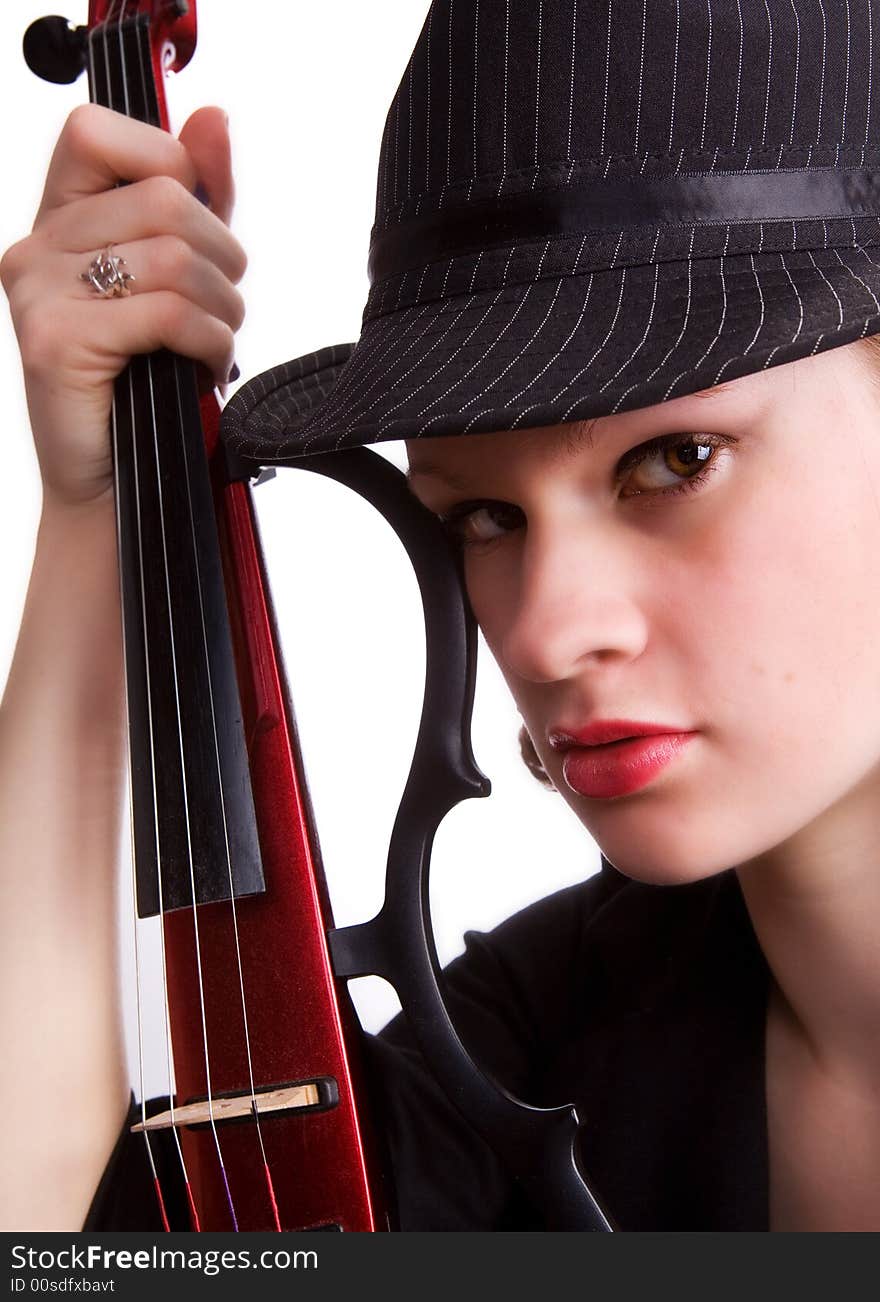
{"type": "Point", "coordinates": [120, 69]}
{"type": "Point", "coordinates": [195, 832]}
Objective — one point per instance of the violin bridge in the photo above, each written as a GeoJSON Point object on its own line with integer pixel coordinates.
{"type": "Point", "coordinates": [306, 1096]}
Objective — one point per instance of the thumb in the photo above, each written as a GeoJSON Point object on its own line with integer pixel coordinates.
{"type": "Point", "coordinates": [205, 134]}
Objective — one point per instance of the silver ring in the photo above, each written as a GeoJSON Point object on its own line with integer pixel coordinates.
{"type": "Point", "coordinates": [105, 275]}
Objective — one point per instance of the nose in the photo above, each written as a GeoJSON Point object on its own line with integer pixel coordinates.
{"type": "Point", "coordinates": [576, 605]}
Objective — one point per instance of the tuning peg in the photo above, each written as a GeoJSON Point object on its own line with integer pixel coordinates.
{"type": "Point", "coordinates": [55, 50]}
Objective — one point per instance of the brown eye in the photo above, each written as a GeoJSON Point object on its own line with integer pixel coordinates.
{"type": "Point", "coordinates": [672, 463]}
{"type": "Point", "coordinates": [481, 522]}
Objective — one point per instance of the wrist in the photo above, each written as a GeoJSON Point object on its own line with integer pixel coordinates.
{"type": "Point", "coordinates": [71, 510]}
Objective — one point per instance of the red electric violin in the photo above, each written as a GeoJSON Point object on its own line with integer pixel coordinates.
{"type": "Point", "coordinates": [269, 1110]}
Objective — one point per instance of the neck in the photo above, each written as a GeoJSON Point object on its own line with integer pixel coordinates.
{"type": "Point", "coordinates": [814, 903]}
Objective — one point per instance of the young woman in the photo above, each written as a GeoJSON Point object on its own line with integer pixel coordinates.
{"type": "Point", "coordinates": [644, 401]}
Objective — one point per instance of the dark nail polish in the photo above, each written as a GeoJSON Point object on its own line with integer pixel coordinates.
{"type": "Point", "coordinates": [202, 195]}
{"type": "Point", "coordinates": [234, 373]}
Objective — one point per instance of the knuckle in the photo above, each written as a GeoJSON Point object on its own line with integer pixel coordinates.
{"type": "Point", "coordinates": [241, 262]}
{"type": "Point", "coordinates": [240, 311]}
{"type": "Point", "coordinates": [227, 339]}
{"type": "Point", "coordinates": [39, 342]}
{"type": "Point", "coordinates": [227, 350]}
{"type": "Point", "coordinates": [176, 312]}
{"type": "Point", "coordinates": [168, 199]}
{"type": "Point", "coordinates": [11, 264]}
{"type": "Point", "coordinates": [180, 317]}
{"type": "Point", "coordinates": [220, 341]}
{"type": "Point", "coordinates": [176, 256]}
{"type": "Point", "coordinates": [81, 130]}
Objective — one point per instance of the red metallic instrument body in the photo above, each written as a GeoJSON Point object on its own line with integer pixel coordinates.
{"type": "Point", "coordinates": [300, 1022]}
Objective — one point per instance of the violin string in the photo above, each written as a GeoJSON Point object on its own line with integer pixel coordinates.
{"type": "Point", "coordinates": [235, 930]}
{"type": "Point", "coordinates": [166, 1012]}
{"type": "Point", "coordinates": [135, 928]}
{"type": "Point", "coordinates": [185, 794]}
{"type": "Point", "coordinates": [187, 824]}
{"type": "Point", "coordinates": [137, 961]}
{"type": "Point", "coordinates": [169, 1050]}
{"type": "Point", "coordinates": [232, 896]}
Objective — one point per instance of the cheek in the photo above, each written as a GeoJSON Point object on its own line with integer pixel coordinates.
{"type": "Point", "coordinates": [793, 611]}
{"type": "Point", "coordinates": [781, 646]}
{"type": "Point", "coordinates": [492, 593]}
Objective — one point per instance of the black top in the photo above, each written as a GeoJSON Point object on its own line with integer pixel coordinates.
{"type": "Point", "coordinates": [645, 1006]}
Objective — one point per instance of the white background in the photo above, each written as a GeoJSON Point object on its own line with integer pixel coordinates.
{"type": "Point", "coordinates": [307, 87]}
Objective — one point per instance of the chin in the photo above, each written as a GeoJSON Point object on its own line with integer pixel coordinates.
{"type": "Point", "coordinates": [659, 866]}
{"type": "Point", "coordinates": [663, 875]}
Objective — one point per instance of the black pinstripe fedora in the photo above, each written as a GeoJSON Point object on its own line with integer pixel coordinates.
{"type": "Point", "coordinates": [587, 206]}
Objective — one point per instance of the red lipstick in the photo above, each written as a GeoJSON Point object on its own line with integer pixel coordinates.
{"type": "Point", "coordinates": [615, 757]}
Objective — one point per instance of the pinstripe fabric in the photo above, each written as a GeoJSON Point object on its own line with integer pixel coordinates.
{"type": "Point", "coordinates": [504, 97]}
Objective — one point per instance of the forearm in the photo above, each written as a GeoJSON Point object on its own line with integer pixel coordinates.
{"type": "Point", "coordinates": [61, 772]}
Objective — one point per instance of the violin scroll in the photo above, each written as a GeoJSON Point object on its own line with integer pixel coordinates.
{"type": "Point", "coordinates": [57, 51]}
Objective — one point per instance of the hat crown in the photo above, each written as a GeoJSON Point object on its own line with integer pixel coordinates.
{"type": "Point", "coordinates": [503, 100]}
{"type": "Point", "coordinates": [517, 89]}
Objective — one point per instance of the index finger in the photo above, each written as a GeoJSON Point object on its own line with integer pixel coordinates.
{"type": "Point", "coordinates": [99, 147]}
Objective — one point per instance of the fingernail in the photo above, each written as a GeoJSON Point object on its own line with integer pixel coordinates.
{"type": "Point", "coordinates": [202, 195]}
{"type": "Point", "coordinates": [234, 373]}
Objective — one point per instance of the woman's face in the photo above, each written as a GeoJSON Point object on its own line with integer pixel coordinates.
{"type": "Point", "coordinates": [727, 586]}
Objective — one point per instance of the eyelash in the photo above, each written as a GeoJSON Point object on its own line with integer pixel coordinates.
{"type": "Point", "coordinates": [454, 519]}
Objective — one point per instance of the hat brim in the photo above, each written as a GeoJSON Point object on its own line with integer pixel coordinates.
{"type": "Point", "coordinates": [556, 350]}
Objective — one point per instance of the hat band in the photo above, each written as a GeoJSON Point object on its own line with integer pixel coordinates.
{"type": "Point", "coordinates": [620, 203]}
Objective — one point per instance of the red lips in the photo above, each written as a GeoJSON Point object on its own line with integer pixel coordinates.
{"type": "Point", "coordinates": [617, 757]}
{"type": "Point", "coordinates": [602, 731]}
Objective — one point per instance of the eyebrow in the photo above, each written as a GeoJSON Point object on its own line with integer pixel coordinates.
{"type": "Point", "coordinates": [580, 433]}
{"type": "Point", "coordinates": [715, 391]}
{"type": "Point", "coordinates": [428, 470]}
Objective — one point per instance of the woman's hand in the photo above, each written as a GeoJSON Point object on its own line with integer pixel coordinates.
{"type": "Point", "coordinates": [185, 261]}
